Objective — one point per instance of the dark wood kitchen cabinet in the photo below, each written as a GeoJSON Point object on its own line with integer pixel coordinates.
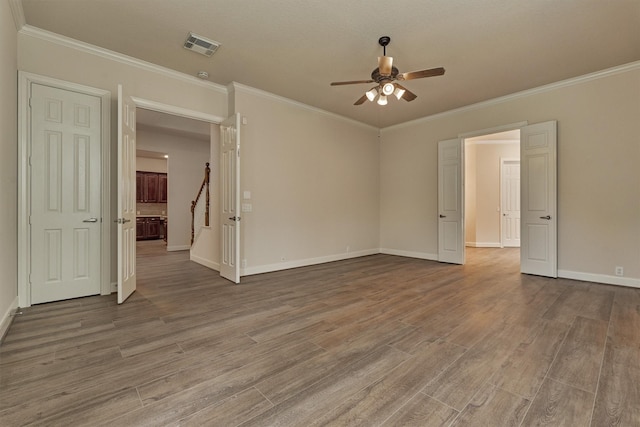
{"type": "Point", "coordinates": [149, 228]}
{"type": "Point", "coordinates": [162, 188]}
{"type": "Point", "coordinates": [151, 187]}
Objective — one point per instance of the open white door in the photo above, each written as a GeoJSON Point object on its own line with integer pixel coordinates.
{"type": "Point", "coordinates": [510, 203]}
{"type": "Point", "coordinates": [538, 254]}
{"type": "Point", "coordinates": [126, 217]}
{"type": "Point", "coordinates": [451, 201]}
{"type": "Point", "coordinates": [230, 194]}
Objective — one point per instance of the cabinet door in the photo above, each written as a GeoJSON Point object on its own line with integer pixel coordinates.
{"type": "Point", "coordinates": [140, 229]}
{"type": "Point", "coordinates": [153, 228]}
{"type": "Point", "coordinates": [162, 188]}
{"type": "Point", "coordinates": [151, 185]}
{"type": "Point", "coordinates": [140, 187]}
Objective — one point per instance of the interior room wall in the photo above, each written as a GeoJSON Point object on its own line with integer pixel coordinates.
{"type": "Point", "coordinates": [207, 246]}
{"type": "Point", "coordinates": [314, 180]}
{"type": "Point", "coordinates": [55, 56]}
{"type": "Point", "coordinates": [598, 174]}
{"type": "Point", "coordinates": [148, 164]}
{"type": "Point", "coordinates": [482, 209]}
{"type": "Point", "coordinates": [185, 172]}
{"type": "Point", "coordinates": [8, 166]}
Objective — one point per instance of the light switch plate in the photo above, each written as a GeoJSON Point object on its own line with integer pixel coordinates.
{"type": "Point", "coordinates": [246, 207]}
{"type": "Point", "coordinates": [246, 195]}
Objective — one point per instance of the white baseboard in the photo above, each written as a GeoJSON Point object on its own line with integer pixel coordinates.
{"type": "Point", "coordinates": [409, 254]}
{"type": "Point", "coordinates": [7, 318]}
{"type": "Point", "coordinates": [178, 248]}
{"type": "Point", "coordinates": [207, 263]}
{"type": "Point", "coordinates": [600, 278]}
{"type": "Point", "coordinates": [249, 271]}
{"type": "Point", "coordinates": [482, 244]}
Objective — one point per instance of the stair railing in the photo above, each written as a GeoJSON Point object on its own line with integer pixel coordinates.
{"type": "Point", "coordinates": [204, 186]}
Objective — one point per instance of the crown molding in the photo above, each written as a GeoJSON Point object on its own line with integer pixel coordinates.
{"type": "Point", "coordinates": [58, 39]}
{"type": "Point", "coordinates": [632, 66]}
{"type": "Point", "coordinates": [18, 14]}
{"type": "Point", "coordinates": [239, 87]}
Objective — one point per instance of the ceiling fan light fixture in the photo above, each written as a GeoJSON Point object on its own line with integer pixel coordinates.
{"type": "Point", "coordinates": [382, 100]}
{"type": "Point", "coordinates": [372, 93]}
{"type": "Point", "coordinates": [388, 88]}
{"type": "Point", "coordinates": [399, 92]}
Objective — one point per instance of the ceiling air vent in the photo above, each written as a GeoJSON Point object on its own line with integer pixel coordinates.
{"type": "Point", "coordinates": [201, 45]}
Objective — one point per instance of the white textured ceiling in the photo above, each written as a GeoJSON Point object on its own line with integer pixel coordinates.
{"type": "Point", "coordinates": [295, 48]}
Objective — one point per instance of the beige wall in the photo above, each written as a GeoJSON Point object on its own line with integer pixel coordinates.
{"type": "Point", "coordinates": [598, 173]}
{"type": "Point", "coordinates": [8, 165]}
{"type": "Point", "coordinates": [314, 183]}
{"type": "Point", "coordinates": [60, 58]}
{"type": "Point", "coordinates": [148, 164]}
{"type": "Point", "coordinates": [185, 171]}
{"type": "Point", "coordinates": [482, 193]}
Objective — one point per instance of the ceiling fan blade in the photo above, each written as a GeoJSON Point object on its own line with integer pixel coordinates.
{"type": "Point", "coordinates": [385, 64]}
{"type": "Point", "coordinates": [422, 73]}
{"type": "Point", "coordinates": [352, 82]}
{"type": "Point", "coordinates": [361, 100]}
{"type": "Point", "coordinates": [407, 95]}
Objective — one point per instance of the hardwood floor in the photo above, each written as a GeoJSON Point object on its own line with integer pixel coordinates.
{"type": "Point", "coordinates": [378, 340]}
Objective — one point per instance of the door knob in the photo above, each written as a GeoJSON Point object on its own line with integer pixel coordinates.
{"type": "Point", "coordinates": [90, 220]}
{"type": "Point", "coordinates": [234, 218]}
{"type": "Point", "coordinates": [545, 217]}
{"type": "Point", "coordinates": [442, 216]}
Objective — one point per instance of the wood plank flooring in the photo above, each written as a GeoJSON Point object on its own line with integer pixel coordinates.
{"type": "Point", "coordinates": [378, 340]}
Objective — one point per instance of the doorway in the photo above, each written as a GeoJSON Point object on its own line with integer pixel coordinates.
{"type": "Point", "coordinates": [184, 145]}
{"type": "Point", "coordinates": [492, 191]}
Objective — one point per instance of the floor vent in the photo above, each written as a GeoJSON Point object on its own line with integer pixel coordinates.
{"type": "Point", "coordinates": [201, 45]}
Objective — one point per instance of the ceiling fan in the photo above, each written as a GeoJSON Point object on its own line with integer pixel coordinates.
{"type": "Point", "coordinates": [386, 77]}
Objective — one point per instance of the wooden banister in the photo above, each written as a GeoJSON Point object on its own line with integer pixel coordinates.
{"type": "Point", "coordinates": [194, 203]}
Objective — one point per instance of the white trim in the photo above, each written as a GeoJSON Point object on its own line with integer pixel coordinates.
{"type": "Point", "coordinates": [234, 86]}
{"type": "Point", "coordinates": [203, 261]}
{"type": "Point", "coordinates": [178, 248]}
{"type": "Point", "coordinates": [305, 262]}
{"type": "Point", "coordinates": [28, 30]}
{"type": "Point", "coordinates": [482, 245]}
{"type": "Point", "coordinates": [409, 254]}
{"type": "Point", "coordinates": [24, 93]}
{"type": "Point", "coordinates": [7, 318]}
{"type": "Point", "coordinates": [522, 94]}
{"type": "Point", "coordinates": [147, 104]}
{"type": "Point", "coordinates": [599, 278]}
{"type": "Point", "coordinates": [18, 15]}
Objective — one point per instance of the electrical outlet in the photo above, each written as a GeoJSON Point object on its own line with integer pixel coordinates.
{"type": "Point", "coordinates": [244, 263]}
{"type": "Point", "coordinates": [619, 271]}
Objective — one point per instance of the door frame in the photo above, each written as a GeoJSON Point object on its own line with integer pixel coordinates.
{"type": "Point", "coordinates": [24, 194]}
{"type": "Point", "coordinates": [481, 132]}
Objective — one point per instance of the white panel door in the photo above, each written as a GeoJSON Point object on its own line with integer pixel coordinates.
{"type": "Point", "coordinates": [126, 217]}
{"type": "Point", "coordinates": [510, 195]}
{"type": "Point", "coordinates": [230, 195]}
{"type": "Point", "coordinates": [65, 208]}
{"type": "Point", "coordinates": [450, 201]}
{"type": "Point", "coordinates": [538, 253]}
